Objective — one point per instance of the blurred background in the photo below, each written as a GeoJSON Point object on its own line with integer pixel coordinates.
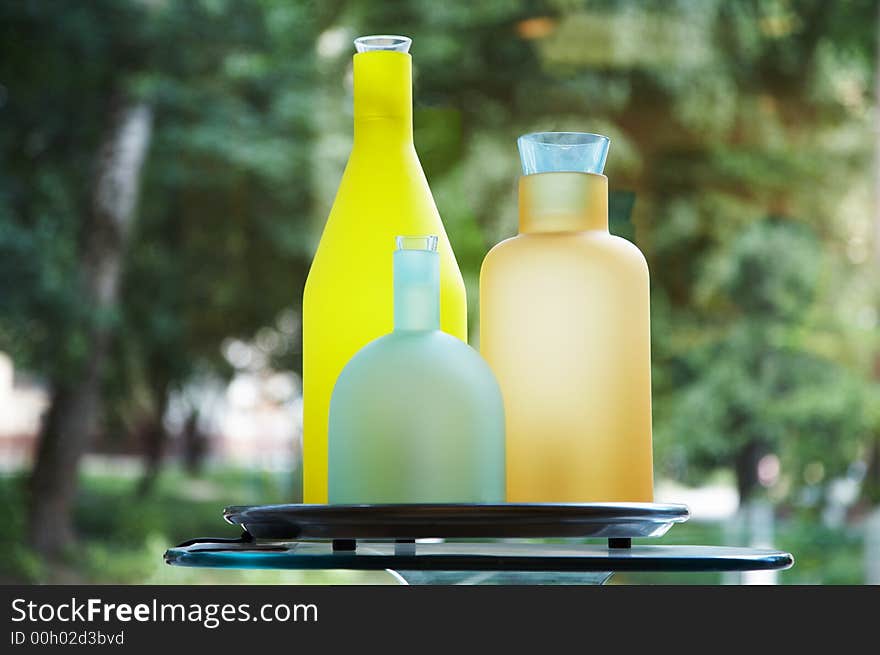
{"type": "Point", "coordinates": [166, 168]}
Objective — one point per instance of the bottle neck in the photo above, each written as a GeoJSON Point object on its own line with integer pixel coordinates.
{"type": "Point", "coordinates": [382, 98]}
{"type": "Point", "coordinates": [563, 202]}
{"type": "Point", "coordinates": [416, 290]}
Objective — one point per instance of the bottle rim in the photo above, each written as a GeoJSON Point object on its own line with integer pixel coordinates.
{"type": "Point", "coordinates": [426, 242]}
{"type": "Point", "coordinates": [579, 152]}
{"type": "Point", "coordinates": [378, 42]}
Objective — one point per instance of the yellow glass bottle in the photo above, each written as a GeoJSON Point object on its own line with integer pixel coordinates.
{"type": "Point", "coordinates": [383, 193]}
{"type": "Point", "coordinates": [564, 324]}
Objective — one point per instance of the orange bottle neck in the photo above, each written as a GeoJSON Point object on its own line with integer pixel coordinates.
{"type": "Point", "coordinates": [563, 202]}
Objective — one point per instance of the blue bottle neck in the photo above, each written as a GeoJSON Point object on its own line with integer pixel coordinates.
{"type": "Point", "coordinates": [416, 290]}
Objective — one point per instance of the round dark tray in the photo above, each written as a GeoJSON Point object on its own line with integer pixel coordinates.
{"type": "Point", "coordinates": [420, 521]}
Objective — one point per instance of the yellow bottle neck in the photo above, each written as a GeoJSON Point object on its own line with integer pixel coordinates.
{"type": "Point", "coordinates": [382, 98]}
{"type": "Point", "coordinates": [563, 202]}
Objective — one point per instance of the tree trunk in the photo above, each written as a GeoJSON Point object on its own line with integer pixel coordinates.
{"type": "Point", "coordinates": [194, 444]}
{"type": "Point", "coordinates": [871, 484]}
{"type": "Point", "coordinates": [746, 468]}
{"type": "Point", "coordinates": [155, 438]}
{"type": "Point", "coordinates": [74, 415]}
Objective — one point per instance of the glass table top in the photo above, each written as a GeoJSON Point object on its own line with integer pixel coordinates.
{"type": "Point", "coordinates": [484, 556]}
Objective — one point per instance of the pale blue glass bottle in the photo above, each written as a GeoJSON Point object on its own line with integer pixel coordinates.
{"type": "Point", "coordinates": [416, 416]}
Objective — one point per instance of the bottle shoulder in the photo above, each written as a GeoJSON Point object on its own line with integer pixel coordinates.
{"type": "Point", "coordinates": [417, 354]}
{"type": "Point", "coordinates": [418, 344]}
{"type": "Point", "coordinates": [565, 247]}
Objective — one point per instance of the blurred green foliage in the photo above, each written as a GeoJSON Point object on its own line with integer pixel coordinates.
{"type": "Point", "coordinates": [742, 133]}
{"type": "Point", "coordinates": [122, 539]}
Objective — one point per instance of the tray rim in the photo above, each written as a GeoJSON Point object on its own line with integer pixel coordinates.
{"type": "Point", "coordinates": [461, 520]}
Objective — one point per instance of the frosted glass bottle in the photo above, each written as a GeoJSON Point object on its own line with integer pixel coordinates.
{"type": "Point", "coordinates": [416, 416]}
{"type": "Point", "coordinates": [564, 324]}
{"type": "Point", "coordinates": [383, 193]}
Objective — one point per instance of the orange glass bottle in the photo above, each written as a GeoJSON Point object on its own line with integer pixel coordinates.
{"type": "Point", "coordinates": [564, 324]}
